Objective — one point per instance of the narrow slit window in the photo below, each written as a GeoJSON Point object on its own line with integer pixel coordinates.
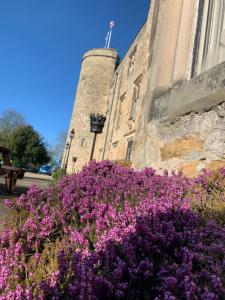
{"type": "Point", "coordinates": [132, 59]}
{"type": "Point", "coordinates": [129, 150]}
{"type": "Point", "coordinates": [120, 111]}
{"type": "Point", "coordinates": [136, 95]}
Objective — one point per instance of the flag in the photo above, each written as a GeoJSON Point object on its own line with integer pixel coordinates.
{"type": "Point", "coordinates": [111, 24]}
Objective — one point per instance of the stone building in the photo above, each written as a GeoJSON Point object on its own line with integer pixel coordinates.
{"type": "Point", "coordinates": [165, 101]}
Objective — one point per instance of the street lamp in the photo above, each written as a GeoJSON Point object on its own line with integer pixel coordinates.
{"type": "Point", "coordinates": [97, 122]}
{"type": "Point", "coordinates": [71, 135]}
{"type": "Point", "coordinates": [64, 158]}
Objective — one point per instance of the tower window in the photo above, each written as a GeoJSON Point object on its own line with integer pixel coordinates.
{"type": "Point", "coordinates": [136, 95]}
{"type": "Point", "coordinates": [120, 111]}
{"type": "Point", "coordinates": [82, 142]}
{"type": "Point", "coordinates": [129, 150]}
{"type": "Point", "coordinates": [132, 59]}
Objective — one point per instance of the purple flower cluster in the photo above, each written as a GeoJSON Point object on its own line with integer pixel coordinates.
{"type": "Point", "coordinates": [113, 233]}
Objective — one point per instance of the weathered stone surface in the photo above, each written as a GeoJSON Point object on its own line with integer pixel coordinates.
{"type": "Point", "coordinates": [190, 169]}
{"type": "Point", "coordinates": [98, 67]}
{"type": "Point", "coordinates": [216, 164]}
{"type": "Point", "coordinates": [194, 168]}
{"type": "Point", "coordinates": [181, 147]}
{"type": "Point", "coordinates": [179, 121]}
{"type": "Point", "coordinates": [201, 93]}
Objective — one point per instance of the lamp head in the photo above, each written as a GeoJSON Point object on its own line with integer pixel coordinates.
{"type": "Point", "coordinates": [97, 122]}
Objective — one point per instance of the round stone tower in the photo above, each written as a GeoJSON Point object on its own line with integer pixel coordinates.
{"type": "Point", "coordinates": [97, 69]}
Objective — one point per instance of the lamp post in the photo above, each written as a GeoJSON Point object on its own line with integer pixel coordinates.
{"type": "Point", "coordinates": [64, 158]}
{"type": "Point", "coordinates": [72, 135]}
{"type": "Point", "coordinates": [97, 122]}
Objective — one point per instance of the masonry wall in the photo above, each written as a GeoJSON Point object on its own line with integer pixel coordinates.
{"type": "Point", "coordinates": [183, 127]}
{"type": "Point", "coordinates": [179, 124]}
{"type": "Point", "coordinates": [120, 126]}
{"type": "Point", "coordinates": [179, 119]}
{"type": "Point", "coordinates": [97, 69]}
{"type": "Point", "coordinates": [187, 132]}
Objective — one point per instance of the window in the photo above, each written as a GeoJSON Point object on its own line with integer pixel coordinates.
{"type": "Point", "coordinates": [212, 35]}
{"type": "Point", "coordinates": [100, 154]}
{"type": "Point", "coordinates": [115, 144]}
{"type": "Point", "coordinates": [136, 94]}
{"type": "Point", "coordinates": [129, 150]}
{"type": "Point", "coordinates": [120, 111]}
{"type": "Point", "coordinates": [132, 59]}
{"type": "Point", "coordinates": [82, 142]}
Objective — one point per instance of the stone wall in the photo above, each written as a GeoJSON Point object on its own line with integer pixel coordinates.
{"type": "Point", "coordinates": [187, 128]}
{"type": "Point", "coordinates": [174, 120]}
{"type": "Point", "coordinates": [193, 142]}
{"type": "Point", "coordinates": [97, 69]}
{"type": "Point", "coordinates": [120, 126]}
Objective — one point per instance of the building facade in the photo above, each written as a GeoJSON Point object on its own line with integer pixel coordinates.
{"type": "Point", "coordinates": [165, 101]}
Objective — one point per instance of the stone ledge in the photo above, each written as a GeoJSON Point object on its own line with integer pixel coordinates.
{"type": "Point", "coordinates": [101, 52]}
{"type": "Point", "coordinates": [200, 93]}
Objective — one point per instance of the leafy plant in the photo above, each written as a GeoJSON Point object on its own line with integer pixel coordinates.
{"type": "Point", "coordinates": [58, 174]}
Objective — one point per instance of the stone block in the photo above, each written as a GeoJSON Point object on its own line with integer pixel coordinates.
{"type": "Point", "coordinates": [180, 148]}
{"type": "Point", "coordinates": [190, 169]}
{"type": "Point", "coordinates": [216, 164]}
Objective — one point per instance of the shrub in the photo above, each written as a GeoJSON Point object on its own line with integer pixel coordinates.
{"type": "Point", "coordinates": [207, 195]}
{"type": "Point", "coordinates": [110, 232]}
{"type": "Point", "coordinates": [58, 175]}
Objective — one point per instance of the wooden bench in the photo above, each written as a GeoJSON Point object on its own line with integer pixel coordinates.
{"type": "Point", "coordinates": [10, 173]}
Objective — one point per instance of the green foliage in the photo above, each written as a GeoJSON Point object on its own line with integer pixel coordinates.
{"type": "Point", "coordinates": [24, 142]}
{"type": "Point", "coordinates": [9, 121]}
{"type": "Point", "coordinates": [57, 175]}
{"type": "Point", "coordinates": [28, 147]}
{"type": "Point", "coordinates": [5, 139]}
{"type": "Point", "coordinates": [209, 199]}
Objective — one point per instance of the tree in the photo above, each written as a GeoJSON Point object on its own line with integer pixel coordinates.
{"type": "Point", "coordinates": [9, 121]}
{"type": "Point", "coordinates": [28, 148]}
{"type": "Point", "coordinates": [56, 151]}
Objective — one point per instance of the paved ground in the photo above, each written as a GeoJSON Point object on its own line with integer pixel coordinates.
{"type": "Point", "coordinates": [21, 187]}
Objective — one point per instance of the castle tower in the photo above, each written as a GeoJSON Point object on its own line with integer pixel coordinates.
{"type": "Point", "coordinates": [97, 69]}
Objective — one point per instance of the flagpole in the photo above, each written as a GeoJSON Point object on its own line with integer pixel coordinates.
{"type": "Point", "coordinates": [106, 40]}
{"type": "Point", "coordinates": [110, 36]}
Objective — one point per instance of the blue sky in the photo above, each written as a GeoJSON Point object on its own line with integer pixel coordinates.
{"type": "Point", "coordinates": [41, 46]}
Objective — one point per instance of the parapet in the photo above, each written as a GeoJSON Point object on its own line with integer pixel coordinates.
{"type": "Point", "coordinates": [101, 52]}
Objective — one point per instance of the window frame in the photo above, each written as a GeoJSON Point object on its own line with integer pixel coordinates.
{"type": "Point", "coordinates": [212, 27]}
{"type": "Point", "coordinates": [135, 98]}
{"type": "Point", "coordinates": [130, 145]}
{"type": "Point", "coordinates": [132, 59]}
{"type": "Point", "coordinates": [120, 110]}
